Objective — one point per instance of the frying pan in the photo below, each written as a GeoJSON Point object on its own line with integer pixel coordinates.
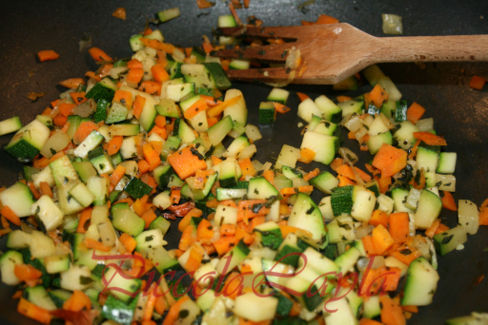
{"type": "Point", "coordinates": [460, 113]}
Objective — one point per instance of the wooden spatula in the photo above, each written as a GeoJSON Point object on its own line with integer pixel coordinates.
{"type": "Point", "coordinates": [333, 52]}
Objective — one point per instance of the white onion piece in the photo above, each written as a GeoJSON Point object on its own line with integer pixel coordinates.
{"type": "Point", "coordinates": [56, 142]}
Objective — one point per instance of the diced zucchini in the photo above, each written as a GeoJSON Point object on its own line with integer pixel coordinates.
{"type": "Point", "coordinates": [39, 297]}
{"type": "Point", "coordinates": [428, 209]}
{"type": "Point", "coordinates": [91, 142]}
{"type": "Point", "coordinates": [421, 283]}
{"type": "Point", "coordinates": [168, 14]}
{"type": "Point", "coordinates": [447, 163]}
{"type": "Point", "coordinates": [10, 125]}
{"type": "Point", "coordinates": [266, 113]}
{"type": "Point", "coordinates": [7, 266]}
{"type": "Point", "coordinates": [126, 220]}
{"type": "Point", "coordinates": [468, 216]}
{"type": "Point", "coordinates": [342, 200]}
{"type": "Point", "coordinates": [263, 308]}
{"type": "Point", "coordinates": [105, 89]}
{"type": "Point", "coordinates": [324, 146]}
{"type": "Point", "coordinates": [325, 182]}
{"type": "Point", "coordinates": [305, 215]}
{"type": "Point", "coordinates": [28, 141]}
{"type": "Point", "coordinates": [76, 278]}
{"type": "Point", "coordinates": [18, 198]}
{"type": "Point", "coordinates": [260, 188]}
{"type": "Point", "coordinates": [327, 107]}
{"type": "Point", "coordinates": [217, 132]}
{"type": "Point", "coordinates": [278, 95]}
{"type": "Point", "coordinates": [48, 212]}
{"type": "Point", "coordinates": [363, 203]}
{"type": "Point", "coordinates": [450, 240]}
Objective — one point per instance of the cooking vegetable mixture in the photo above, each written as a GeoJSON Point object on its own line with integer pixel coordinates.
{"type": "Point", "coordinates": [161, 140]}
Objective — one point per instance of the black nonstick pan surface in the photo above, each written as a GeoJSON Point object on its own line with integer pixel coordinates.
{"type": "Point", "coordinates": [460, 113]}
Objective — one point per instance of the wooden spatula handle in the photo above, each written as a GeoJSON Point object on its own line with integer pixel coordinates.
{"type": "Point", "coordinates": [432, 48]}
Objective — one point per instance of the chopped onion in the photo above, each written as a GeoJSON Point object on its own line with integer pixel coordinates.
{"type": "Point", "coordinates": [392, 24]}
{"type": "Point", "coordinates": [363, 230]}
{"type": "Point", "coordinates": [425, 125]}
{"type": "Point", "coordinates": [468, 216]}
{"type": "Point", "coordinates": [248, 152]}
{"type": "Point", "coordinates": [58, 141]}
{"type": "Point", "coordinates": [85, 109]}
{"type": "Point", "coordinates": [253, 133]}
{"type": "Point", "coordinates": [348, 155]}
{"type": "Point", "coordinates": [353, 123]}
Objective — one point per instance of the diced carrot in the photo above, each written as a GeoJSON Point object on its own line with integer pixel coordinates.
{"type": "Point", "coordinates": [346, 171]}
{"type": "Point", "coordinates": [10, 215]}
{"type": "Point", "coordinates": [368, 245]}
{"type": "Point", "coordinates": [391, 312]}
{"type": "Point", "coordinates": [342, 99]}
{"type": "Point", "coordinates": [205, 231]}
{"type": "Point", "coordinates": [120, 13]}
{"type": "Point", "coordinates": [26, 272]}
{"type": "Point", "coordinates": [306, 155]}
{"type": "Point", "coordinates": [197, 107]}
{"type": "Point", "coordinates": [484, 213]}
{"type": "Point", "coordinates": [382, 240]}
{"type": "Point", "coordinates": [84, 129]}
{"type": "Point", "coordinates": [406, 255]}
{"type": "Point", "coordinates": [378, 95]}
{"type": "Point", "coordinates": [99, 55]}
{"type": "Point", "coordinates": [203, 4]}
{"type": "Point", "coordinates": [66, 109]}
{"type": "Point", "coordinates": [33, 190]}
{"type": "Point", "coordinates": [311, 174]}
{"type": "Point", "coordinates": [336, 163]}
{"type": "Point", "coordinates": [227, 230]}
{"type": "Point", "coordinates": [411, 309]}
{"type": "Point", "coordinates": [430, 138]}
{"type": "Point", "coordinates": [247, 167]}
{"type": "Point", "coordinates": [151, 87]}
{"type": "Point", "coordinates": [77, 302]}
{"type": "Point", "coordinates": [269, 175]}
{"type": "Point", "coordinates": [47, 55]}
{"type": "Point", "coordinates": [477, 82]}
{"type": "Point", "coordinates": [174, 311]}
{"type": "Point", "coordinates": [448, 201]}
{"type": "Point", "coordinates": [219, 108]}
{"type": "Point", "coordinates": [134, 64]}
{"type": "Point", "coordinates": [124, 97]}
{"type": "Point", "coordinates": [72, 83]}
{"type": "Point", "coordinates": [143, 166]}
{"type": "Point", "coordinates": [95, 244]}
{"type": "Point", "coordinates": [148, 216]}
{"type": "Point", "coordinates": [288, 191]}
{"type": "Point", "coordinates": [216, 160]}
{"type": "Point", "coordinates": [149, 180]}
{"type": "Point", "coordinates": [224, 244]}
{"type": "Point", "coordinates": [413, 151]}
{"type": "Point", "coordinates": [384, 183]}
{"type": "Point", "coordinates": [390, 160]}
{"type": "Point", "coordinates": [185, 162]}
{"type": "Point", "coordinates": [158, 45]}
{"type": "Point", "coordinates": [113, 146]}
{"type": "Point", "coordinates": [325, 20]}
{"type": "Point", "coordinates": [399, 226]}
{"type": "Point", "coordinates": [128, 241]}
{"type": "Point", "coordinates": [344, 181]}
{"type": "Point", "coordinates": [151, 156]}
{"type": "Point", "coordinates": [379, 218]}
{"type": "Point", "coordinates": [280, 108]}
{"type": "Point", "coordinates": [188, 237]}
{"type": "Point", "coordinates": [33, 311]}
{"type": "Point", "coordinates": [193, 213]}
{"type": "Point", "coordinates": [302, 96]}
{"type": "Point", "coordinates": [93, 75]}
{"type": "Point", "coordinates": [134, 76]}
{"type": "Point", "coordinates": [175, 195]}
{"type": "Point", "coordinates": [442, 228]}
{"type": "Point", "coordinates": [362, 174]}
{"type": "Point", "coordinates": [305, 189]}
{"type": "Point", "coordinates": [139, 103]}
{"type": "Point", "coordinates": [78, 97]}
{"type": "Point", "coordinates": [415, 112]}
{"type": "Point", "coordinates": [85, 216]}
{"type": "Point", "coordinates": [159, 73]}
